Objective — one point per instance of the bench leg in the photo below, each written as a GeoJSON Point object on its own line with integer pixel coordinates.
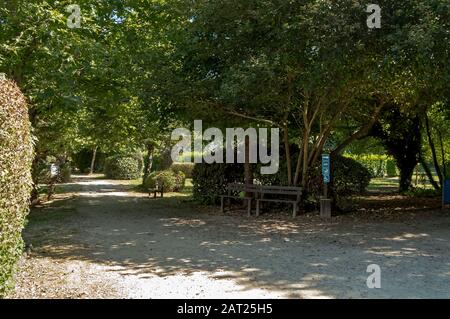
{"type": "Point", "coordinates": [249, 207]}
{"type": "Point", "coordinates": [295, 210]}
{"type": "Point", "coordinates": [221, 204]}
{"type": "Point", "coordinates": [257, 207]}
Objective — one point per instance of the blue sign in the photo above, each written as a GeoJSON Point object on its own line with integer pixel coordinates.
{"type": "Point", "coordinates": [326, 168]}
{"type": "Point", "coordinates": [446, 192]}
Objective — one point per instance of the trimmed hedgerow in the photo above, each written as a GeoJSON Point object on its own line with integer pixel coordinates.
{"type": "Point", "coordinates": [124, 167]}
{"type": "Point", "coordinates": [16, 154]}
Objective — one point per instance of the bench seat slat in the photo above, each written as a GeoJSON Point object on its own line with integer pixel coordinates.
{"type": "Point", "coordinates": [278, 200]}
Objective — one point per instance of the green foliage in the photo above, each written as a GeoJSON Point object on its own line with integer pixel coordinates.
{"type": "Point", "coordinates": [41, 170]}
{"type": "Point", "coordinates": [423, 192]}
{"type": "Point", "coordinates": [376, 164]}
{"type": "Point", "coordinates": [170, 181]}
{"type": "Point", "coordinates": [82, 160]}
{"type": "Point", "coordinates": [210, 180]}
{"type": "Point", "coordinates": [349, 177]}
{"type": "Point", "coordinates": [124, 167]}
{"type": "Point", "coordinates": [400, 132]}
{"type": "Point", "coordinates": [391, 168]}
{"type": "Point", "coordinates": [16, 154]}
{"type": "Point", "coordinates": [65, 172]}
{"type": "Point", "coordinates": [185, 168]}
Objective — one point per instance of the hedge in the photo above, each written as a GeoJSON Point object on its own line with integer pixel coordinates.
{"type": "Point", "coordinates": [172, 182]}
{"type": "Point", "coordinates": [210, 180]}
{"type": "Point", "coordinates": [349, 177]}
{"type": "Point", "coordinates": [16, 155]}
{"type": "Point", "coordinates": [124, 167]}
{"type": "Point", "coordinates": [378, 165]}
{"type": "Point", "coordinates": [185, 168]}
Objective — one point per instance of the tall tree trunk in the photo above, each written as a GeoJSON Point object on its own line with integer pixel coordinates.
{"type": "Point", "coordinates": [402, 140]}
{"type": "Point", "coordinates": [248, 173]}
{"type": "Point", "coordinates": [428, 173]}
{"type": "Point", "coordinates": [444, 164]}
{"type": "Point", "coordinates": [406, 173]}
{"type": "Point", "coordinates": [433, 149]}
{"type": "Point", "coordinates": [94, 156]}
{"type": "Point", "coordinates": [305, 153]}
{"type": "Point", "coordinates": [298, 167]}
{"type": "Point", "coordinates": [288, 154]}
{"type": "Point", "coordinates": [148, 163]}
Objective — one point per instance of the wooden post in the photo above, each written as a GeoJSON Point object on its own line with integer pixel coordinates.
{"type": "Point", "coordinates": [325, 208]}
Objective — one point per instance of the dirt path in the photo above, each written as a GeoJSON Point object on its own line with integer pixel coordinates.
{"type": "Point", "coordinates": [104, 241]}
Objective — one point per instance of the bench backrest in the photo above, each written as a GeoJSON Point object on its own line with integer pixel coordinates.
{"type": "Point", "coordinates": [239, 187]}
{"type": "Point", "coordinates": [265, 189]}
{"type": "Point", "coordinates": [281, 190]}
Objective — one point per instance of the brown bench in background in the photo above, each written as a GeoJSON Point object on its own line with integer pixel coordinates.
{"type": "Point", "coordinates": [233, 192]}
{"type": "Point", "coordinates": [279, 194]}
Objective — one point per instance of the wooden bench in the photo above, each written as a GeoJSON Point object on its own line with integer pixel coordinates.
{"type": "Point", "coordinates": [282, 193]}
{"type": "Point", "coordinates": [158, 189]}
{"type": "Point", "coordinates": [233, 191]}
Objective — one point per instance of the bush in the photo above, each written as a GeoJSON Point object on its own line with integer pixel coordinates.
{"type": "Point", "coordinates": [378, 165]}
{"type": "Point", "coordinates": [185, 168]}
{"type": "Point", "coordinates": [171, 182]}
{"type": "Point", "coordinates": [423, 192]}
{"type": "Point", "coordinates": [16, 155]}
{"type": "Point", "coordinates": [124, 167]}
{"type": "Point", "coordinates": [349, 177]}
{"type": "Point", "coordinates": [210, 180]}
{"type": "Point", "coordinates": [391, 168]}
{"type": "Point", "coordinates": [65, 172]}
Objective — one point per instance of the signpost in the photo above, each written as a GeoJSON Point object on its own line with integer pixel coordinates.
{"type": "Point", "coordinates": [446, 193]}
{"type": "Point", "coordinates": [325, 203]}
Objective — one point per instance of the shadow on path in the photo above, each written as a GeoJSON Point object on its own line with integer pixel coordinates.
{"type": "Point", "coordinates": [147, 238]}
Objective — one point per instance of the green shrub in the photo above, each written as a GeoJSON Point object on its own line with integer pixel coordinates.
{"type": "Point", "coordinates": [349, 177]}
{"type": "Point", "coordinates": [180, 180]}
{"type": "Point", "coordinates": [65, 172]}
{"type": "Point", "coordinates": [186, 168]}
{"type": "Point", "coordinates": [168, 179]}
{"type": "Point", "coordinates": [16, 154]}
{"type": "Point", "coordinates": [210, 180]}
{"type": "Point", "coordinates": [423, 192]}
{"type": "Point", "coordinates": [124, 167]}
{"type": "Point", "coordinates": [376, 164]}
{"type": "Point", "coordinates": [391, 168]}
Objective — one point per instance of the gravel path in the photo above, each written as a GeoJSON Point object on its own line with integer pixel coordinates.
{"type": "Point", "coordinates": [100, 240]}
